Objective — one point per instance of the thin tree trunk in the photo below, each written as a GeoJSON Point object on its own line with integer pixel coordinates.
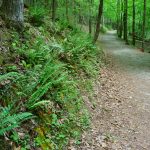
{"type": "Point", "coordinates": [80, 15]}
{"type": "Point", "coordinates": [126, 21]}
{"type": "Point", "coordinates": [144, 21]}
{"type": "Point", "coordinates": [121, 19]}
{"type": "Point", "coordinates": [100, 12]}
{"type": "Point", "coordinates": [90, 18]}
{"type": "Point", "coordinates": [90, 26]}
{"type": "Point", "coordinates": [74, 11]}
{"type": "Point", "coordinates": [133, 24]}
{"type": "Point", "coordinates": [118, 18]}
{"type": "Point", "coordinates": [53, 10]}
{"type": "Point", "coordinates": [67, 6]}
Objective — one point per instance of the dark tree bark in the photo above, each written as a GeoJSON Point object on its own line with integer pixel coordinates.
{"type": "Point", "coordinates": [133, 24]}
{"type": "Point", "coordinates": [12, 12]}
{"type": "Point", "coordinates": [53, 10]}
{"type": "Point", "coordinates": [90, 26]}
{"type": "Point", "coordinates": [120, 18]}
{"type": "Point", "coordinates": [67, 6]}
{"type": "Point", "coordinates": [121, 26]}
{"type": "Point", "coordinates": [126, 21]}
{"type": "Point", "coordinates": [90, 16]}
{"type": "Point", "coordinates": [143, 28]}
{"type": "Point", "coordinates": [73, 10]}
{"type": "Point", "coordinates": [100, 12]}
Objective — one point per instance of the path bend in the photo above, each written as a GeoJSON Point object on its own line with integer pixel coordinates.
{"type": "Point", "coordinates": [121, 117]}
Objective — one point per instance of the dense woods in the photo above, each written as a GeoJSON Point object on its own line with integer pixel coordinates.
{"type": "Point", "coordinates": [47, 62]}
{"type": "Point", "coordinates": [132, 22]}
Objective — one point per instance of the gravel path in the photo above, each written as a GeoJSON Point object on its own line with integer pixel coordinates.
{"type": "Point", "coordinates": [121, 116]}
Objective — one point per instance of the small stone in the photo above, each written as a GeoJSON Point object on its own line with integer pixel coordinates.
{"type": "Point", "coordinates": [103, 145]}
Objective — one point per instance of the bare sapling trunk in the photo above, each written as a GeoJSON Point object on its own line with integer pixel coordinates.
{"type": "Point", "coordinates": [133, 24]}
{"type": "Point", "coordinates": [126, 21]}
{"type": "Point", "coordinates": [67, 7]}
{"type": "Point", "coordinates": [53, 10]}
{"type": "Point", "coordinates": [143, 28]}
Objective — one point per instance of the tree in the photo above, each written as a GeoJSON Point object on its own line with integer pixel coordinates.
{"type": "Point", "coordinates": [133, 23]}
{"type": "Point", "coordinates": [100, 12]}
{"type": "Point", "coordinates": [126, 21]}
{"type": "Point", "coordinates": [143, 28]}
{"type": "Point", "coordinates": [53, 10]}
{"type": "Point", "coordinates": [12, 12]}
{"type": "Point", "coordinates": [90, 16]}
{"type": "Point", "coordinates": [119, 18]}
{"type": "Point", "coordinates": [121, 26]}
{"type": "Point", "coordinates": [67, 5]}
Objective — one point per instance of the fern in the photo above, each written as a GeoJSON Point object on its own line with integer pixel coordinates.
{"type": "Point", "coordinates": [48, 78]}
{"type": "Point", "coordinates": [43, 102]}
{"type": "Point", "coordinates": [38, 94]}
{"type": "Point", "coordinates": [51, 69]}
{"type": "Point", "coordinates": [10, 121]}
{"type": "Point", "coordinates": [9, 75]}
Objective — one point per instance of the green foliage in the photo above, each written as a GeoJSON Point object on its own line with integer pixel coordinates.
{"type": "Point", "coordinates": [50, 77]}
{"type": "Point", "coordinates": [8, 76]}
{"type": "Point", "coordinates": [80, 54]}
{"type": "Point", "coordinates": [53, 62]}
{"type": "Point", "coordinates": [103, 29]}
{"type": "Point", "coordinates": [36, 15]}
{"type": "Point", "coordinates": [9, 121]}
{"type": "Point", "coordinates": [50, 64]}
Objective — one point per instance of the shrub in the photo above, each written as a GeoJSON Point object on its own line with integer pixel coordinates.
{"type": "Point", "coordinates": [103, 29]}
{"type": "Point", "coordinates": [37, 15]}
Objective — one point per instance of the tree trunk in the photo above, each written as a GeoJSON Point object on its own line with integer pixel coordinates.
{"type": "Point", "coordinates": [100, 12]}
{"type": "Point", "coordinates": [126, 21]}
{"type": "Point", "coordinates": [143, 28]}
{"type": "Point", "coordinates": [121, 26]}
{"type": "Point", "coordinates": [74, 11]}
{"type": "Point", "coordinates": [121, 19]}
{"type": "Point", "coordinates": [90, 26]}
{"type": "Point", "coordinates": [133, 24]}
{"type": "Point", "coordinates": [53, 10]}
{"type": "Point", "coordinates": [118, 17]}
{"type": "Point", "coordinates": [67, 6]}
{"type": "Point", "coordinates": [90, 16]}
{"type": "Point", "coordinates": [12, 12]}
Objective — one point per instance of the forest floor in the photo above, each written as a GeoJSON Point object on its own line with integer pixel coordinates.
{"type": "Point", "coordinates": [121, 116]}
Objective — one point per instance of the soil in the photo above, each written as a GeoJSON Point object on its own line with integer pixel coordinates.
{"type": "Point", "coordinates": [121, 116]}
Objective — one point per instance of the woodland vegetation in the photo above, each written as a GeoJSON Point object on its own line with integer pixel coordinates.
{"type": "Point", "coordinates": [47, 62]}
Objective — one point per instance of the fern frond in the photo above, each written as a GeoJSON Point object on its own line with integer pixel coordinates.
{"type": "Point", "coordinates": [56, 46]}
{"type": "Point", "coordinates": [43, 102]}
{"type": "Point", "coordinates": [38, 94]}
{"type": "Point", "coordinates": [49, 71]}
{"type": "Point", "coordinates": [8, 121]}
{"type": "Point", "coordinates": [8, 76]}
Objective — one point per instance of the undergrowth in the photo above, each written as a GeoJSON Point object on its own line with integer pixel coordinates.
{"type": "Point", "coordinates": [42, 83]}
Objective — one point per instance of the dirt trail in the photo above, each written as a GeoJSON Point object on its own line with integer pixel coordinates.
{"type": "Point", "coordinates": [121, 117]}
